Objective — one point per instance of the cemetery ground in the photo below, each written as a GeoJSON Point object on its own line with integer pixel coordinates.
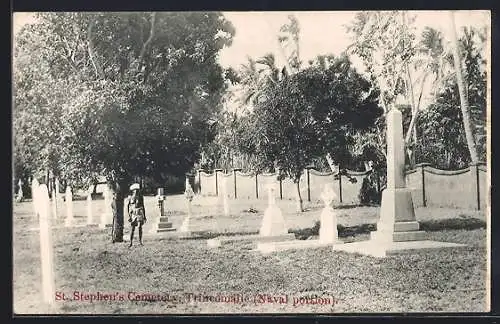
{"type": "Point", "coordinates": [87, 262]}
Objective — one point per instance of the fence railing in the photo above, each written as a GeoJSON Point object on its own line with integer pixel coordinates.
{"type": "Point", "coordinates": [466, 188]}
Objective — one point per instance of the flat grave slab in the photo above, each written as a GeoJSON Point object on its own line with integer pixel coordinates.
{"type": "Point", "coordinates": [269, 247]}
{"type": "Point", "coordinates": [36, 229]}
{"type": "Point", "coordinates": [371, 248]}
{"type": "Point", "coordinates": [222, 240]}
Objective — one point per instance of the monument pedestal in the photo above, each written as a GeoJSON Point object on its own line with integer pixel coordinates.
{"type": "Point", "coordinates": [164, 225]}
{"type": "Point", "coordinates": [397, 211]}
{"type": "Point", "coordinates": [397, 230]}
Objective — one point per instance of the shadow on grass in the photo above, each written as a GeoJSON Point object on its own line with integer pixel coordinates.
{"type": "Point", "coordinates": [348, 231]}
{"type": "Point", "coordinates": [469, 223]}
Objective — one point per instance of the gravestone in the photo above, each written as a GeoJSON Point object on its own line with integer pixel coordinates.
{"type": "Point", "coordinates": [225, 202]}
{"type": "Point", "coordinates": [328, 234]}
{"type": "Point", "coordinates": [397, 228]}
{"type": "Point", "coordinates": [107, 214]}
{"type": "Point", "coordinates": [20, 195]}
{"type": "Point", "coordinates": [397, 215]}
{"type": "Point", "coordinates": [69, 207]}
{"type": "Point", "coordinates": [273, 227]}
{"type": "Point", "coordinates": [58, 188]}
{"type": "Point", "coordinates": [46, 246]}
{"type": "Point", "coordinates": [90, 220]}
{"type": "Point", "coordinates": [34, 190]}
{"type": "Point", "coordinates": [161, 223]}
{"type": "Point", "coordinates": [54, 203]}
{"type": "Point", "coordinates": [186, 226]}
{"type": "Point", "coordinates": [273, 223]}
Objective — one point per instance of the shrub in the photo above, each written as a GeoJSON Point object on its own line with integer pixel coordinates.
{"type": "Point", "coordinates": [369, 194]}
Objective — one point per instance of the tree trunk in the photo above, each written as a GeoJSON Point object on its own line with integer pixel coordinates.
{"type": "Point", "coordinates": [120, 190]}
{"type": "Point", "coordinates": [299, 197]}
{"type": "Point", "coordinates": [464, 104]}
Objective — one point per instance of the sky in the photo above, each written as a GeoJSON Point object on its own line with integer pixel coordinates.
{"type": "Point", "coordinates": [321, 32]}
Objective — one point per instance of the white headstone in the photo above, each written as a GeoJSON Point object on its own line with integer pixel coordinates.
{"type": "Point", "coordinates": [34, 190]}
{"type": "Point", "coordinates": [328, 232]}
{"type": "Point", "coordinates": [225, 201]}
{"type": "Point", "coordinates": [58, 187]}
{"type": "Point", "coordinates": [46, 247]}
{"type": "Point", "coordinates": [107, 214]}
{"type": "Point", "coordinates": [273, 223]}
{"type": "Point", "coordinates": [20, 194]}
{"type": "Point", "coordinates": [188, 194]}
{"type": "Point", "coordinates": [54, 203]}
{"type": "Point", "coordinates": [69, 207]}
{"type": "Point", "coordinates": [89, 207]}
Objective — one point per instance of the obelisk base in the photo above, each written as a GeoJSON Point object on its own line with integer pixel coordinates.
{"type": "Point", "coordinates": [397, 230]}
{"type": "Point", "coordinates": [397, 218]}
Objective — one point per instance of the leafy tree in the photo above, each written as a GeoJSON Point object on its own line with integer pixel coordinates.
{"type": "Point", "coordinates": [120, 94]}
{"type": "Point", "coordinates": [443, 142]}
{"type": "Point", "coordinates": [308, 114]}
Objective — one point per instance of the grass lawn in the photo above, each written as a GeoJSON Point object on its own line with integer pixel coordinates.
{"type": "Point", "coordinates": [87, 262]}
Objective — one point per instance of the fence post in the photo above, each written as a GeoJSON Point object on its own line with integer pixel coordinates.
{"type": "Point", "coordinates": [199, 181]}
{"type": "Point", "coordinates": [422, 169]}
{"type": "Point", "coordinates": [340, 185]}
{"type": "Point", "coordinates": [216, 182]}
{"type": "Point", "coordinates": [256, 186]}
{"type": "Point", "coordinates": [234, 175]}
{"type": "Point", "coordinates": [281, 188]}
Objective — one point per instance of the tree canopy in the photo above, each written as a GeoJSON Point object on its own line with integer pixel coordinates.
{"type": "Point", "coordinates": [132, 93]}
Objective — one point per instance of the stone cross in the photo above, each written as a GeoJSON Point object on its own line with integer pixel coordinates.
{"type": "Point", "coordinates": [69, 207]}
{"type": "Point", "coordinates": [328, 195]}
{"type": "Point", "coordinates": [161, 211]}
{"type": "Point", "coordinates": [89, 206]}
{"type": "Point", "coordinates": [328, 232]}
{"type": "Point", "coordinates": [189, 194]}
{"type": "Point", "coordinates": [46, 247]}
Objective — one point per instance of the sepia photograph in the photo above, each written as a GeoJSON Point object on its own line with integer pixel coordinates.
{"type": "Point", "coordinates": [251, 162]}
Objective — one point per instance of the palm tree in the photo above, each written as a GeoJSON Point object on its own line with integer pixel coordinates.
{"type": "Point", "coordinates": [256, 81]}
{"type": "Point", "coordinates": [464, 104]}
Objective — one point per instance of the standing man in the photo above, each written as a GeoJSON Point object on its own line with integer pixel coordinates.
{"type": "Point", "coordinates": [136, 212]}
